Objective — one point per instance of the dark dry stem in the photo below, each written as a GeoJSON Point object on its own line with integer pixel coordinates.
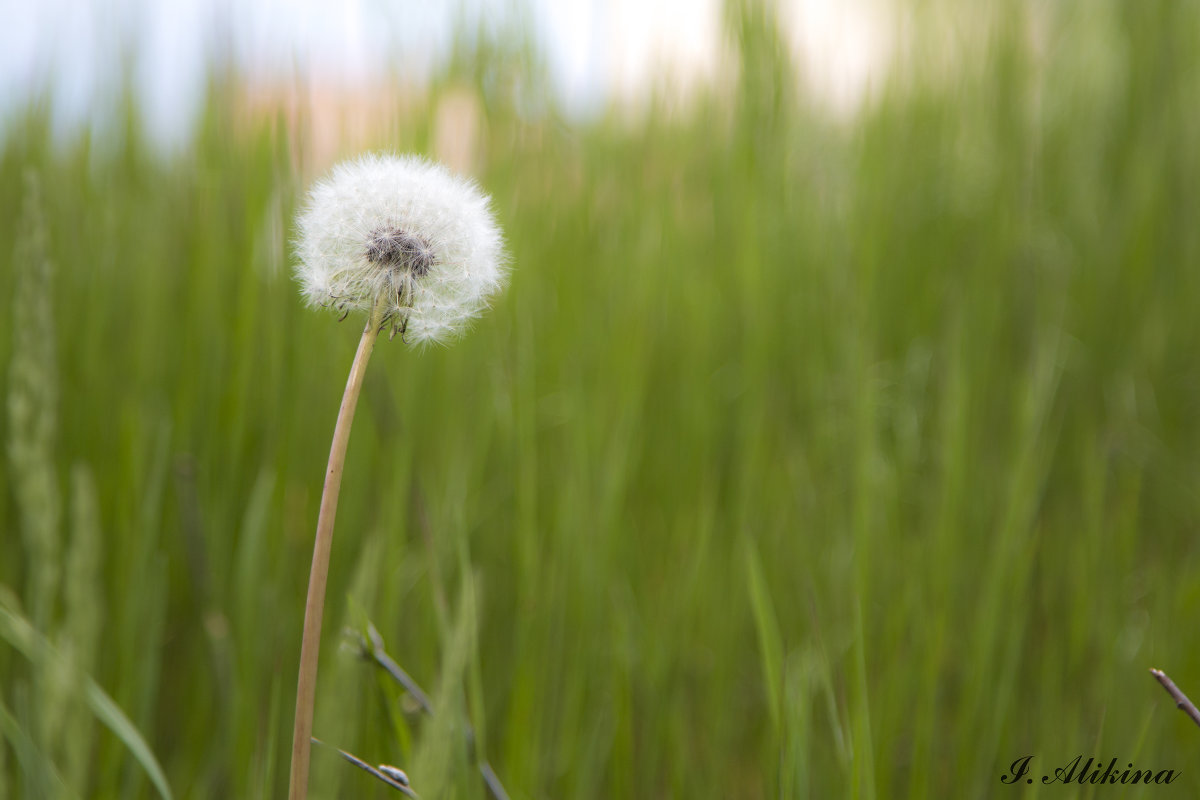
{"type": "Point", "coordinates": [358, 762]}
{"type": "Point", "coordinates": [1181, 700]}
{"type": "Point", "coordinates": [306, 688]}
{"type": "Point", "coordinates": [372, 647]}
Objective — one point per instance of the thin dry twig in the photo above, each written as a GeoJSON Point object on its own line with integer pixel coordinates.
{"type": "Point", "coordinates": [1181, 700]}
{"type": "Point", "coordinates": [358, 762]}
{"type": "Point", "coordinates": [372, 648]}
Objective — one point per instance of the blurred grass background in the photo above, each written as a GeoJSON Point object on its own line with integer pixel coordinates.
{"type": "Point", "coordinates": [801, 458]}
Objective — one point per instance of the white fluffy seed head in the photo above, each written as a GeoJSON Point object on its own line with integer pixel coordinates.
{"type": "Point", "coordinates": [407, 230]}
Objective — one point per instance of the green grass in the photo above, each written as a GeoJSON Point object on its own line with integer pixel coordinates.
{"type": "Point", "coordinates": [799, 459]}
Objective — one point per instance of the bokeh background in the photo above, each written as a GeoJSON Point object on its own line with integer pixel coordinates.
{"type": "Point", "coordinates": [837, 435]}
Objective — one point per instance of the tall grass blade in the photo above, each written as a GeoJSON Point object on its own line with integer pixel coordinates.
{"type": "Point", "coordinates": [20, 633]}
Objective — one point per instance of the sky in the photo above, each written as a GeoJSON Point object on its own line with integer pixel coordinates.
{"type": "Point", "coordinates": [597, 50]}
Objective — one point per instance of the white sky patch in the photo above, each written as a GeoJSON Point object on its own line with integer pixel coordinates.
{"type": "Point", "coordinates": [625, 48]}
{"type": "Point", "coordinates": [844, 47]}
{"type": "Point", "coordinates": [572, 36]}
{"type": "Point", "coordinates": [54, 45]}
{"type": "Point", "coordinates": [673, 40]}
{"type": "Point", "coordinates": [172, 50]}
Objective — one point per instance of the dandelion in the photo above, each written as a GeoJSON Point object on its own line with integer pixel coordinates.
{"type": "Point", "coordinates": [415, 248]}
{"type": "Point", "coordinates": [404, 232]}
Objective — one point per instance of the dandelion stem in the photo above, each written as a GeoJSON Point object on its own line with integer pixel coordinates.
{"type": "Point", "coordinates": [314, 608]}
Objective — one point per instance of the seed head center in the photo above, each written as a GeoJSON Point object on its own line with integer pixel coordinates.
{"type": "Point", "coordinates": [396, 249]}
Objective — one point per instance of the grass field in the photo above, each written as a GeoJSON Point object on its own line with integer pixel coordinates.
{"type": "Point", "coordinates": [800, 458]}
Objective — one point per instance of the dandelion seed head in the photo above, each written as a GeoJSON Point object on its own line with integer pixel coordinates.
{"type": "Point", "coordinates": [397, 249]}
{"type": "Point", "coordinates": [407, 230]}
